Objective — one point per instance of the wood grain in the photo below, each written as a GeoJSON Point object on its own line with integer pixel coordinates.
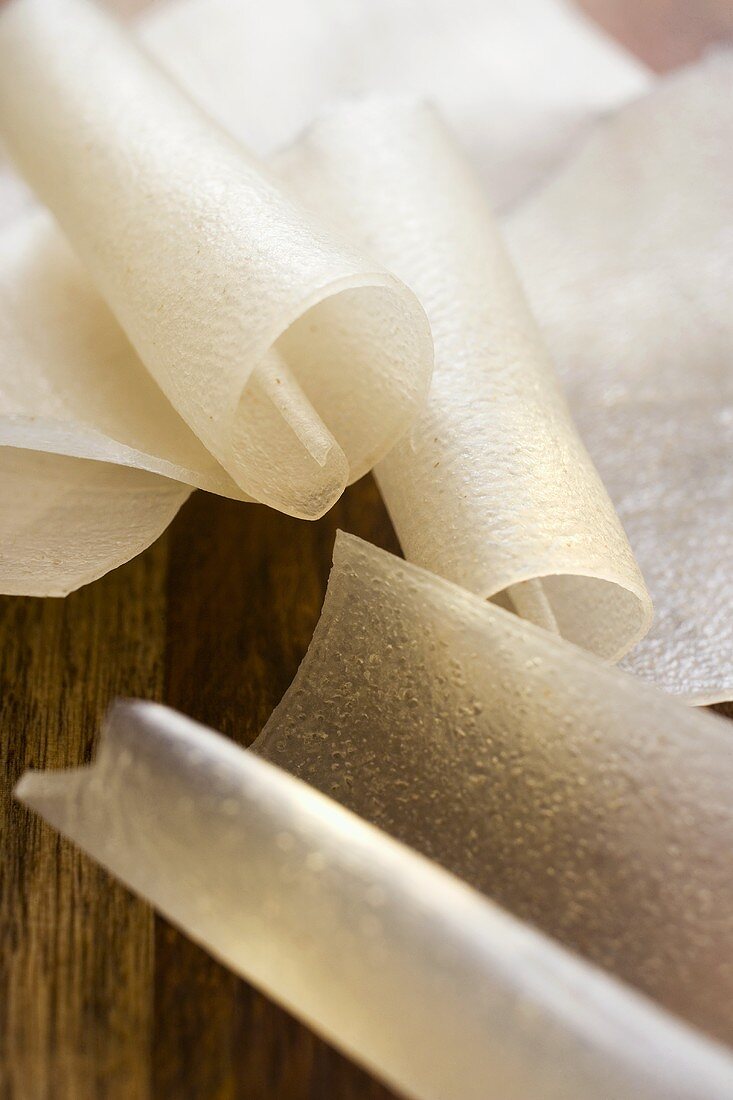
{"type": "Point", "coordinates": [76, 968]}
{"type": "Point", "coordinates": [99, 999]}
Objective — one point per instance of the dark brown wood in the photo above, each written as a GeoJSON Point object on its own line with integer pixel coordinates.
{"type": "Point", "coordinates": [76, 966]}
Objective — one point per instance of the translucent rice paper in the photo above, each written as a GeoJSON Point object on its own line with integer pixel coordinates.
{"type": "Point", "coordinates": [84, 391]}
{"type": "Point", "coordinates": [64, 521]}
{"type": "Point", "coordinates": [627, 256]}
{"type": "Point", "coordinates": [216, 277]}
{"type": "Point", "coordinates": [70, 382]}
{"type": "Point", "coordinates": [408, 970]}
{"type": "Point", "coordinates": [16, 198]}
{"type": "Point", "coordinates": [518, 82]}
{"type": "Point", "coordinates": [117, 513]}
{"type": "Point", "coordinates": [577, 797]}
{"type": "Point", "coordinates": [493, 487]}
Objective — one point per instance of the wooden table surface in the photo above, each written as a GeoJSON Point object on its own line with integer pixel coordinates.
{"type": "Point", "coordinates": [99, 998]}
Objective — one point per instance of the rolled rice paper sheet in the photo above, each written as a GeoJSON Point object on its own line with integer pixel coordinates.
{"type": "Point", "coordinates": [492, 488]}
{"type": "Point", "coordinates": [579, 798]}
{"type": "Point", "coordinates": [207, 264]}
{"type": "Point", "coordinates": [67, 521]}
{"type": "Point", "coordinates": [519, 83]}
{"type": "Point", "coordinates": [84, 391]}
{"type": "Point", "coordinates": [552, 71]}
{"type": "Point", "coordinates": [415, 975]}
{"type": "Point", "coordinates": [70, 382]}
{"type": "Point", "coordinates": [627, 258]}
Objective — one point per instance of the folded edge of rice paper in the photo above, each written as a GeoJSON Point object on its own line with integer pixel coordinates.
{"type": "Point", "coordinates": [78, 497]}
{"type": "Point", "coordinates": [65, 522]}
{"type": "Point", "coordinates": [87, 395]}
{"type": "Point", "coordinates": [406, 969]}
{"type": "Point", "coordinates": [492, 488]}
{"type": "Point", "coordinates": [206, 264]}
{"type": "Point", "coordinates": [70, 382]}
{"type": "Point", "coordinates": [576, 796]}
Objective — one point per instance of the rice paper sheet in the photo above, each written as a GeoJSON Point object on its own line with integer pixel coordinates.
{"type": "Point", "coordinates": [206, 264]}
{"type": "Point", "coordinates": [117, 512]}
{"type": "Point", "coordinates": [66, 520]}
{"type": "Point", "coordinates": [627, 259]}
{"type": "Point", "coordinates": [16, 197]}
{"type": "Point", "coordinates": [683, 652]}
{"type": "Point", "coordinates": [492, 487]}
{"type": "Point", "coordinates": [419, 978]}
{"type": "Point", "coordinates": [577, 797]}
{"type": "Point", "coordinates": [84, 390]}
{"type": "Point", "coordinates": [519, 83]}
{"type": "Point", "coordinates": [584, 249]}
{"type": "Point", "coordinates": [70, 382]}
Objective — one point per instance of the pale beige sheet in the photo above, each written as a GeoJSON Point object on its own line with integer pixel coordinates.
{"type": "Point", "coordinates": [519, 83]}
{"type": "Point", "coordinates": [117, 512]}
{"type": "Point", "coordinates": [206, 264]}
{"type": "Point", "coordinates": [432, 987]}
{"type": "Point", "coordinates": [584, 801]}
{"type": "Point", "coordinates": [599, 332]}
{"type": "Point", "coordinates": [492, 487]}
{"type": "Point", "coordinates": [208, 267]}
{"type": "Point", "coordinates": [627, 259]}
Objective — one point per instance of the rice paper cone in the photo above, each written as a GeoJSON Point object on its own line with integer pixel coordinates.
{"type": "Point", "coordinates": [576, 796]}
{"type": "Point", "coordinates": [492, 488]}
{"type": "Point", "coordinates": [409, 971]}
{"type": "Point", "coordinates": [207, 265]}
{"type": "Point", "coordinates": [627, 259]}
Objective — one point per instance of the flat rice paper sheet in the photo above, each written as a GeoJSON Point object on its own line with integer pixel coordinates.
{"type": "Point", "coordinates": [579, 798]}
{"type": "Point", "coordinates": [429, 985]}
{"type": "Point", "coordinates": [627, 258]}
